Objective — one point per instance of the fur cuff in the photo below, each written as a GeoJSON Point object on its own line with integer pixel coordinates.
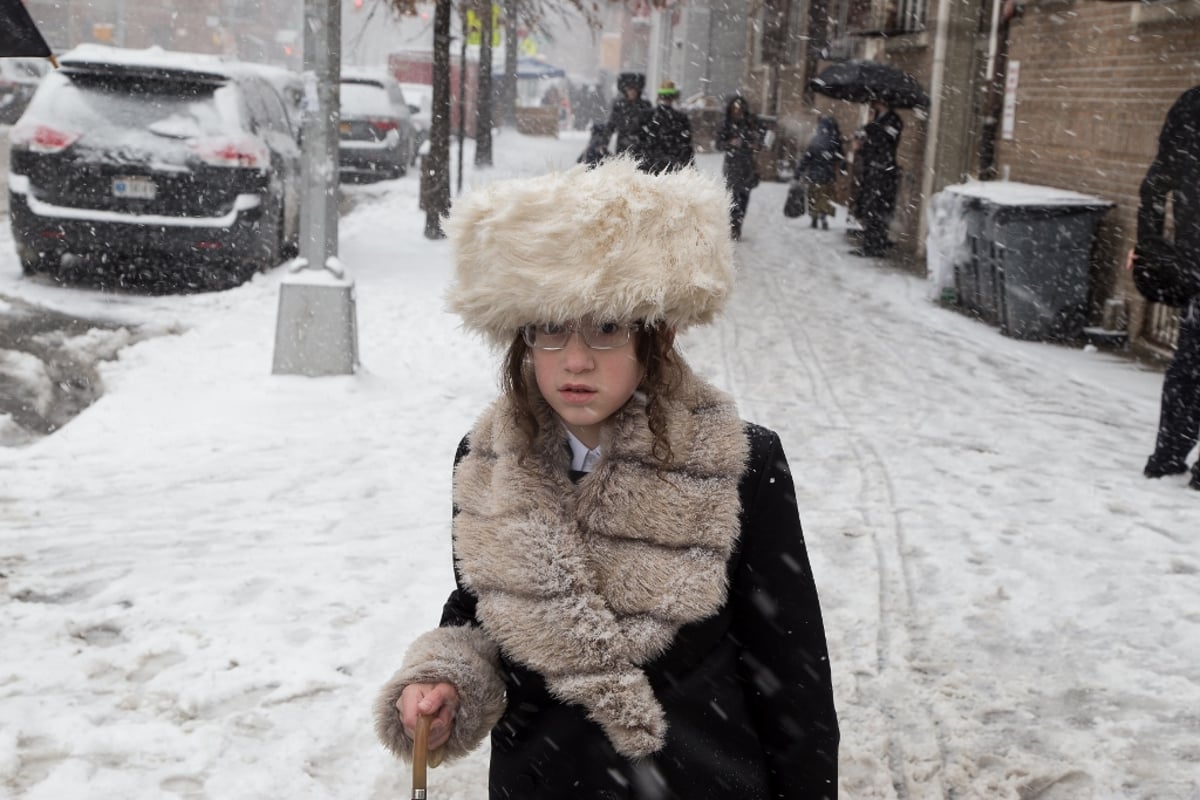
{"type": "Point", "coordinates": [463, 656]}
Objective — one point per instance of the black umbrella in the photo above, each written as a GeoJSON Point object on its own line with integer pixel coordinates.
{"type": "Point", "coordinates": [861, 81]}
{"type": "Point", "coordinates": [19, 35]}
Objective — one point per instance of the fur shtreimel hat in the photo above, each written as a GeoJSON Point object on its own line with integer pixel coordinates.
{"type": "Point", "coordinates": [611, 242]}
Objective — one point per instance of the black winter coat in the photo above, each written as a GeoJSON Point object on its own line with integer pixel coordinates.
{"type": "Point", "coordinates": [880, 175]}
{"type": "Point", "coordinates": [824, 156]}
{"type": "Point", "coordinates": [666, 141]}
{"type": "Point", "coordinates": [748, 718]}
{"type": "Point", "coordinates": [740, 138]}
{"type": "Point", "coordinates": [626, 120]}
{"type": "Point", "coordinates": [1175, 171]}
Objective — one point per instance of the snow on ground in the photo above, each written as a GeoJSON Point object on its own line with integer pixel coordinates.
{"type": "Point", "coordinates": [207, 575]}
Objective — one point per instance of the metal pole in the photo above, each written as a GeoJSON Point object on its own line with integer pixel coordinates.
{"type": "Point", "coordinates": [316, 331]}
{"type": "Point", "coordinates": [120, 33]}
{"type": "Point", "coordinates": [319, 143]}
{"type": "Point", "coordinates": [462, 96]}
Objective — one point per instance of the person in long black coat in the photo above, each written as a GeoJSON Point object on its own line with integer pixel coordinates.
{"type": "Point", "coordinates": [1175, 172]}
{"type": "Point", "coordinates": [740, 137]}
{"type": "Point", "coordinates": [823, 159]}
{"type": "Point", "coordinates": [634, 616]}
{"type": "Point", "coordinates": [629, 111]}
{"type": "Point", "coordinates": [879, 178]}
{"type": "Point", "coordinates": [665, 142]}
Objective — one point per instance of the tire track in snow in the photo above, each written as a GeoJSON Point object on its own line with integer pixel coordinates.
{"type": "Point", "coordinates": [916, 755]}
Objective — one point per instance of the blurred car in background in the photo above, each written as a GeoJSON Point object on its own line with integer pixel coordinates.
{"type": "Point", "coordinates": [19, 78]}
{"type": "Point", "coordinates": [419, 97]}
{"type": "Point", "coordinates": [178, 160]}
{"type": "Point", "coordinates": [375, 134]}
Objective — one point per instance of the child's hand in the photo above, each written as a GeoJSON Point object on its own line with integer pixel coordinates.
{"type": "Point", "coordinates": [437, 700]}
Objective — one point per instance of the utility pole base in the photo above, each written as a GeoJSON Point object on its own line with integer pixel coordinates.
{"type": "Point", "coordinates": [316, 331]}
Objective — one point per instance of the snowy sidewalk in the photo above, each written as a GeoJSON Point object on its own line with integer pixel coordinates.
{"type": "Point", "coordinates": [206, 576]}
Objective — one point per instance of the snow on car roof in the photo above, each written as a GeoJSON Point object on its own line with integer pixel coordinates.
{"type": "Point", "coordinates": [150, 57]}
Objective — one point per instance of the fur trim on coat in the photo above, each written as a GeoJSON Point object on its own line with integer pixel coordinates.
{"type": "Point", "coordinates": [610, 242]}
{"type": "Point", "coordinates": [586, 583]}
{"type": "Point", "coordinates": [463, 656]}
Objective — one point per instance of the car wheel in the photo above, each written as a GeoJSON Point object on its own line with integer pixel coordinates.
{"type": "Point", "coordinates": [270, 244]}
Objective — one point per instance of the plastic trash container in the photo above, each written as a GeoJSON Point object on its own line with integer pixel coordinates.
{"type": "Point", "coordinates": [1028, 255]}
{"type": "Point", "coordinates": [957, 254]}
{"type": "Point", "coordinates": [1042, 256]}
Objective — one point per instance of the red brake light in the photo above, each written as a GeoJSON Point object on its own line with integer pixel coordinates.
{"type": "Point", "coordinates": [42, 138]}
{"type": "Point", "coordinates": [243, 152]}
{"type": "Point", "coordinates": [383, 125]}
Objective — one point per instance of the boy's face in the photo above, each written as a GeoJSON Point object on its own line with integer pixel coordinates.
{"type": "Point", "coordinates": [585, 386]}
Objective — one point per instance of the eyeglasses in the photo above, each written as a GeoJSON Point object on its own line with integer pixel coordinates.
{"type": "Point", "coordinates": [596, 335]}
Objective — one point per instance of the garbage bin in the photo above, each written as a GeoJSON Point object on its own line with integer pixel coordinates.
{"type": "Point", "coordinates": [955, 249]}
{"type": "Point", "coordinates": [1030, 250]}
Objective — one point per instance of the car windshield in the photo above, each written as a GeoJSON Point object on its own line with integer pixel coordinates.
{"type": "Point", "coordinates": [106, 108]}
{"type": "Point", "coordinates": [365, 99]}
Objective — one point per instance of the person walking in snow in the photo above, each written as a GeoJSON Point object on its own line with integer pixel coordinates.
{"type": "Point", "coordinates": [629, 111]}
{"type": "Point", "coordinates": [740, 137]}
{"type": "Point", "coordinates": [634, 613]}
{"type": "Point", "coordinates": [879, 178]}
{"type": "Point", "coordinates": [1175, 172]}
{"type": "Point", "coordinates": [819, 167]}
{"type": "Point", "coordinates": [597, 146]}
{"type": "Point", "coordinates": [665, 143]}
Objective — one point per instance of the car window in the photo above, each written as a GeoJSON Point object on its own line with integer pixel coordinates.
{"type": "Point", "coordinates": [266, 105]}
{"type": "Point", "coordinates": [365, 99]}
{"type": "Point", "coordinates": [24, 70]}
{"type": "Point", "coordinates": [108, 107]}
{"type": "Point", "coordinates": [398, 100]}
{"type": "Point", "coordinates": [419, 96]}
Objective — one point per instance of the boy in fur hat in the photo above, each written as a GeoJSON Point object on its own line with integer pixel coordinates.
{"type": "Point", "coordinates": [634, 615]}
{"type": "Point", "coordinates": [629, 111]}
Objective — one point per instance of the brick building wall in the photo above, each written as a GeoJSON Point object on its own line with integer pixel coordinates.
{"type": "Point", "coordinates": [1095, 82]}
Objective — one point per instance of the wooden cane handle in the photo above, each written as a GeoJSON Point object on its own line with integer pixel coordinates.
{"type": "Point", "coordinates": [420, 756]}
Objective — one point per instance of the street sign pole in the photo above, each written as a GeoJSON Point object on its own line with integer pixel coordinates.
{"type": "Point", "coordinates": [316, 330]}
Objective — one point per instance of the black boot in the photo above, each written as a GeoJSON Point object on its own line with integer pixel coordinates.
{"type": "Point", "coordinates": [1157, 468]}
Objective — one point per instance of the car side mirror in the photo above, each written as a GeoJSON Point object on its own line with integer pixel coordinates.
{"type": "Point", "coordinates": [414, 109]}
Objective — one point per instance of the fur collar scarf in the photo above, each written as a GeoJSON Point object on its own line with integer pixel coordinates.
{"type": "Point", "coordinates": [586, 583]}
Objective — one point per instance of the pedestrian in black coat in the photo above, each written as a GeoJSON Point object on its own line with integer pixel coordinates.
{"type": "Point", "coordinates": [629, 111]}
{"type": "Point", "coordinates": [665, 143]}
{"type": "Point", "coordinates": [740, 137]}
{"type": "Point", "coordinates": [823, 159]}
{"type": "Point", "coordinates": [1175, 173]}
{"type": "Point", "coordinates": [879, 178]}
{"type": "Point", "coordinates": [634, 616]}
{"type": "Point", "coordinates": [597, 146]}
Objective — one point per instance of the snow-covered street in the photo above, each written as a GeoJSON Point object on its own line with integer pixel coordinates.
{"type": "Point", "coordinates": [206, 576]}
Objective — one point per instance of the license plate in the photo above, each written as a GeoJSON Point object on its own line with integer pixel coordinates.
{"type": "Point", "coordinates": [344, 127]}
{"type": "Point", "coordinates": [134, 188]}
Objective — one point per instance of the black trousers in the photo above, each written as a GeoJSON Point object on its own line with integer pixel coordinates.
{"type": "Point", "coordinates": [1179, 418]}
{"type": "Point", "coordinates": [737, 211]}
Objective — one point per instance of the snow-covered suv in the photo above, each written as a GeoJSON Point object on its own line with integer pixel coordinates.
{"type": "Point", "coordinates": [155, 160]}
